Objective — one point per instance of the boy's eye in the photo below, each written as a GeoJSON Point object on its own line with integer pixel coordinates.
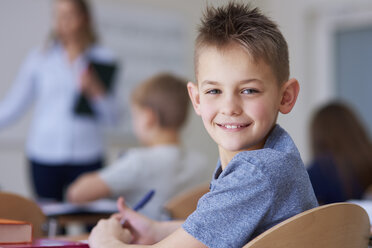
{"type": "Point", "coordinates": [249, 91]}
{"type": "Point", "coordinates": [213, 91]}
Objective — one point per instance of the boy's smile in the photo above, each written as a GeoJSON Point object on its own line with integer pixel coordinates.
{"type": "Point", "coordinates": [237, 98]}
{"type": "Point", "coordinates": [233, 127]}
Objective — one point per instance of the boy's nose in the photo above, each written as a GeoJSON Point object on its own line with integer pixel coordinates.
{"type": "Point", "coordinates": [231, 106]}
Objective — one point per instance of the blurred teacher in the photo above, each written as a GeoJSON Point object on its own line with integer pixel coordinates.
{"type": "Point", "coordinates": [62, 142]}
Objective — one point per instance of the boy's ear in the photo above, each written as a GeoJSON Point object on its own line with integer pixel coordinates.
{"type": "Point", "coordinates": [151, 117]}
{"type": "Point", "coordinates": [194, 96]}
{"type": "Point", "coordinates": [289, 94]}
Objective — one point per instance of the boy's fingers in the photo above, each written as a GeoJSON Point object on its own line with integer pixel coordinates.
{"type": "Point", "coordinates": [116, 216]}
{"type": "Point", "coordinates": [123, 208]}
{"type": "Point", "coordinates": [120, 203]}
{"type": "Point", "coordinates": [127, 225]}
{"type": "Point", "coordinates": [126, 236]}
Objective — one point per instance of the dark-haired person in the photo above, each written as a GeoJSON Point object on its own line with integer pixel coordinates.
{"type": "Point", "coordinates": [159, 109]}
{"type": "Point", "coordinates": [62, 143]}
{"type": "Point", "coordinates": [342, 166]}
{"type": "Point", "coordinates": [242, 73]}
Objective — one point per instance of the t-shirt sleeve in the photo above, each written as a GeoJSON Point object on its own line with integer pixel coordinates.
{"type": "Point", "coordinates": [229, 214]}
{"type": "Point", "coordinates": [123, 174]}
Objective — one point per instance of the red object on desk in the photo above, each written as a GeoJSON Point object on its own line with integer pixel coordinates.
{"type": "Point", "coordinates": [15, 232]}
{"type": "Point", "coordinates": [39, 243]}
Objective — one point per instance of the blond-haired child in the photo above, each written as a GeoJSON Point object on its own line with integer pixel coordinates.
{"type": "Point", "coordinates": [159, 110]}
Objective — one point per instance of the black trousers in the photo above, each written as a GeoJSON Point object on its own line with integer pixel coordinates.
{"type": "Point", "coordinates": [51, 180]}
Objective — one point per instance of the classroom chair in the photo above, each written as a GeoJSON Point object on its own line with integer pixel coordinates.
{"type": "Point", "coordinates": [183, 204]}
{"type": "Point", "coordinates": [338, 225]}
{"type": "Point", "coordinates": [16, 207]}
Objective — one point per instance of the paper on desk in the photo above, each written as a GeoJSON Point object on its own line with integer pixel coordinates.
{"type": "Point", "coordinates": [58, 208]}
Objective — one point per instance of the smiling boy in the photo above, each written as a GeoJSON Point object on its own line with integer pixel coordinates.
{"type": "Point", "coordinates": [238, 99]}
{"type": "Point", "coordinates": [242, 72]}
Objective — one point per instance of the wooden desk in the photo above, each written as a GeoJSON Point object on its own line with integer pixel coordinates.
{"type": "Point", "coordinates": [62, 214]}
{"type": "Point", "coordinates": [86, 219]}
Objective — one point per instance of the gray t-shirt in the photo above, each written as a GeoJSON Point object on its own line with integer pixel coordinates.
{"type": "Point", "coordinates": [257, 190]}
{"type": "Point", "coordinates": [168, 169]}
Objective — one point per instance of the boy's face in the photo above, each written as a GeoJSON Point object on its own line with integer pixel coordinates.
{"type": "Point", "coordinates": [237, 99]}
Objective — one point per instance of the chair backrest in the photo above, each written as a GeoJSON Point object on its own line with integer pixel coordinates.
{"type": "Point", "coordinates": [340, 225]}
{"type": "Point", "coordinates": [16, 207]}
{"type": "Point", "coordinates": [182, 205]}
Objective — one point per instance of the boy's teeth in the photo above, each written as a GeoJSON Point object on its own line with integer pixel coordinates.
{"type": "Point", "coordinates": [231, 126]}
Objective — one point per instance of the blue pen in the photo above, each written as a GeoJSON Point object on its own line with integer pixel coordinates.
{"type": "Point", "coordinates": [140, 204]}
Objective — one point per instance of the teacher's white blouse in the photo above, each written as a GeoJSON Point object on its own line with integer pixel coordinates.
{"type": "Point", "coordinates": [52, 83]}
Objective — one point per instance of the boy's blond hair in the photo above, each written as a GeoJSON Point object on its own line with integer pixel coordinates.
{"type": "Point", "coordinates": [239, 23]}
{"type": "Point", "coordinates": [167, 96]}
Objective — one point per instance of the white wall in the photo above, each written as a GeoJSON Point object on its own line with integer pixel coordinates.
{"type": "Point", "coordinates": [24, 24]}
{"type": "Point", "coordinates": [308, 27]}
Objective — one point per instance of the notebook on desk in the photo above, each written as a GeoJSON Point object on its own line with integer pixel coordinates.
{"type": "Point", "coordinates": [103, 206]}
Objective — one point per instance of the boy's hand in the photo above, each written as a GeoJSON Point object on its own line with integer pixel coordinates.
{"type": "Point", "coordinates": [142, 228]}
{"type": "Point", "coordinates": [109, 233]}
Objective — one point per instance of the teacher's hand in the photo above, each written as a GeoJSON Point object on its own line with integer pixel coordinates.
{"type": "Point", "coordinates": [91, 85]}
